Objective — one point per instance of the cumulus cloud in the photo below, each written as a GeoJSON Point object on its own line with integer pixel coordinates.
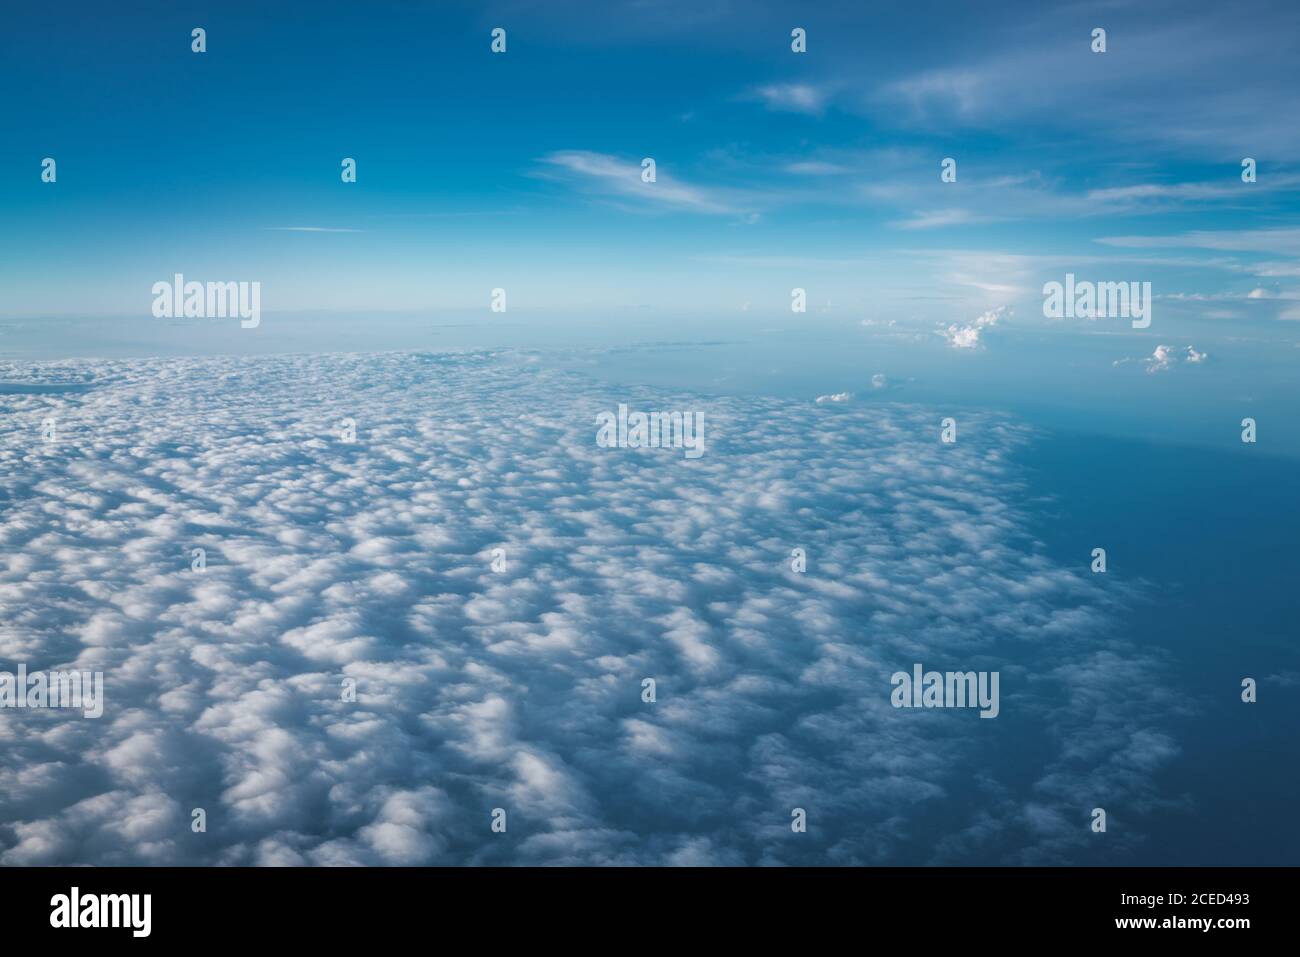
{"type": "Point", "coordinates": [370, 564]}
{"type": "Point", "coordinates": [879, 382]}
{"type": "Point", "coordinates": [968, 336]}
{"type": "Point", "coordinates": [1164, 358]}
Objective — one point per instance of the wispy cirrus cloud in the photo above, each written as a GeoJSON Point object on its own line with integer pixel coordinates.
{"type": "Point", "coordinates": [1279, 241]}
{"type": "Point", "coordinates": [952, 91]}
{"type": "Point", "coordinates": [1178, 195]}
{"type": "Point", "coordinates": [793, 97]}
{"type": "Point", "coordinates": [986, 197]}
{"type": "Point", "coordinates": [614, 177]}
{"type": "Point", "coordinates": [1146, 54]}
{"type": "Point", "coordinates": [938, 218]}
{"type": "Point", "coordinates": [815, 168]}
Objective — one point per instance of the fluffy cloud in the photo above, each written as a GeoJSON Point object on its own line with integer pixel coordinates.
{"type": "Point", "coordinates": [520, 688]}
{"type": "Point", "coordinates": [968, 336]}
{"type": "Point", "coordinates": [1164, 358]}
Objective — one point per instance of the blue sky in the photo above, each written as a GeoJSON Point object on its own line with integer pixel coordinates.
{"type": "Point", "coordinates": [368, 557]}
{"type": "Point", "coordinates": [776, 170]}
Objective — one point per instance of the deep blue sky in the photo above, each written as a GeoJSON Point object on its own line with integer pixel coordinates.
{"type": "Point", "coordinates": [775, 169]}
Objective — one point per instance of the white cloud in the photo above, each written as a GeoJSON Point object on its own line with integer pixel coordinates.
{"type": "Point", "coordinates": [937, 219]}
{"type": "Point", "coordinates": [622, 178]}
{"type": "Point", "coordinates": [815, 168]}
{"type": "Point", "coordinates": [1160, 360]}
{"type": "Point", "coordinates": [520, 689]}
{"type": "Point", "coordinates": [1278, 241]}
{"type": "Point", "coordinates": [1164, 358]}
{"type": "Point", "coordinates": [986, 86]}
{"type": "Point", "coordinates": [968, 336]}
{"type": "Point", "coordinates": [793, 97]}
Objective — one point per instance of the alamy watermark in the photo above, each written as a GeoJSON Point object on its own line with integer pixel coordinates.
{"type": "Point", "coordinates": [1098, 300]}
{"type": "Point", "coordinates": [179, 299]}
{"type": "Point", "coordinates": [651, 430]}
{"type": "Point", "coordinates": [946, 689]}
{"type": "Point", "coordinates": [57, 689]}
{"type": "Point", "coordinates": [75, 909]}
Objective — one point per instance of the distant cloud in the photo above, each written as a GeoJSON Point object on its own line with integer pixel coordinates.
{"type": "Point", "coordinates": [793, 97]}
{"type": "Point", "coordinates": [1022, 65]}
{"type": "Point", "coordinates": [1164, 358]}
{"type": "Point", "coordinates": [968, 336]}
{"type": "Point", "coordinates": [608, 174]}
{"type": "Point", "coordinates": [1160, 360]}
{"type": "Point", "coordinates": [1283, 241]}
{"type": "Point", "coordinates": [983, 284]}
{"type": "Point", "coordinates": [1260, 293]}
{"type": "Point", "coordinates": [963, 92]}
{"type": "Point", "coordinates": [936, 219]}
{"type": "Point", "coordinates": [815, 168]}
{"type": "Point", "coordinates": [1170, 194]}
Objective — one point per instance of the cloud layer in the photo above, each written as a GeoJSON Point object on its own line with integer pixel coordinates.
{"type": "Point", "coordinates": [521, 688]}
